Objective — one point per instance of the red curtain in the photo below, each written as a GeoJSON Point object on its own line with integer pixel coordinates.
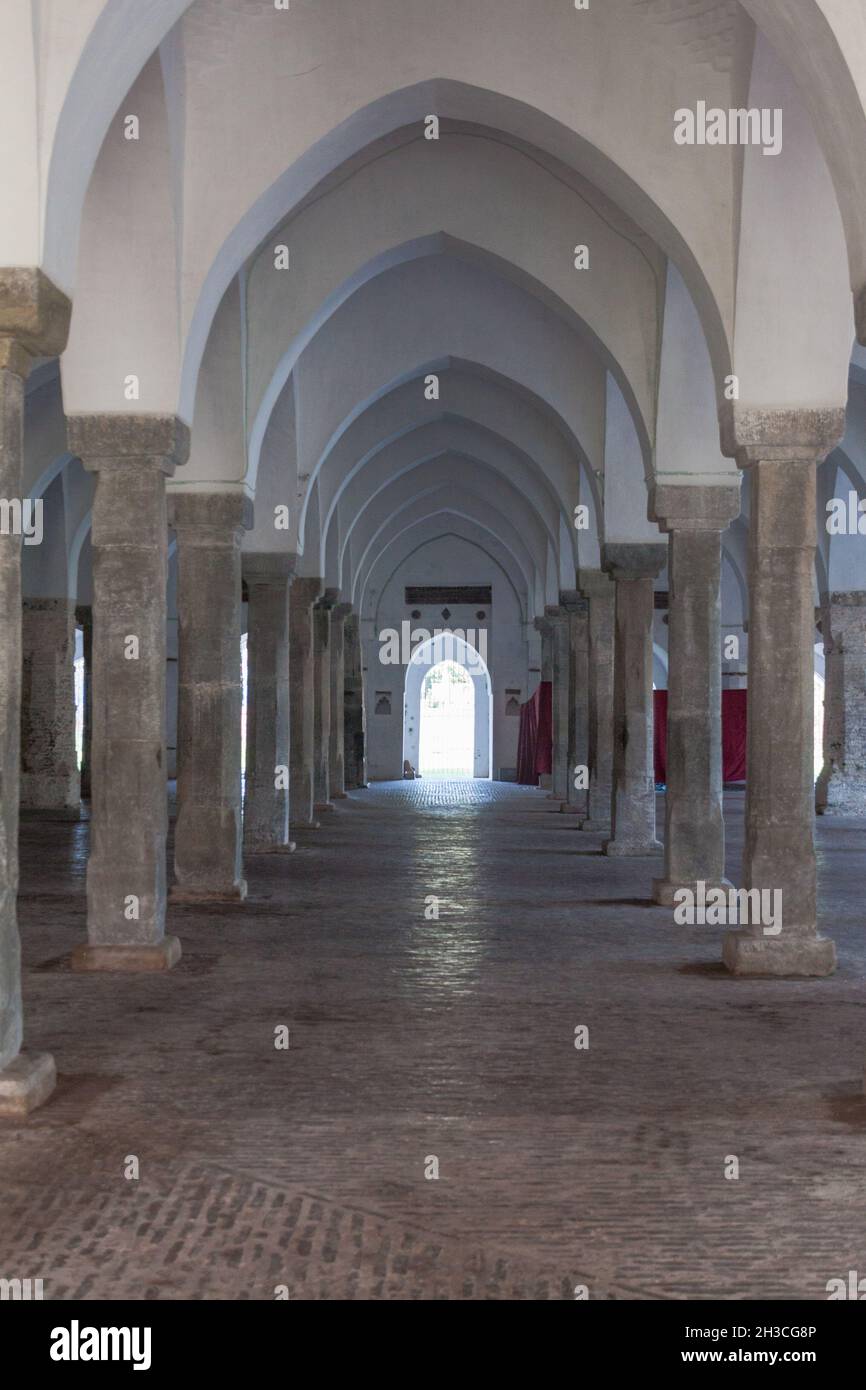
{"type": "Point", "coordinates": [535, 739]}
{"type": "Point", "coordinates": [660, 734]}
{"type": "Point", "coordinates": [733, 734]}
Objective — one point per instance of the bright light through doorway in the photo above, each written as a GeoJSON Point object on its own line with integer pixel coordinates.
{"type": "Point", "coordinates": [447, 744]}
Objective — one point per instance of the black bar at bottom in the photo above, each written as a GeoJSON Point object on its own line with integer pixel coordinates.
{"type": "Point", "coordinates": [160, 1338]}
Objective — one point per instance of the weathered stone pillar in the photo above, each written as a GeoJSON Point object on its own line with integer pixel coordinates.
{"type": "Point", "coordinates": [84, 619]}
{"type": "Point", "coordinates": [544, 626]}
{"type": "Point", "coordinates": [208, 842]}
{"type": "Point", "coordinates": [322, 702]}
{"type": "Point", "coordinates": [781, 449]}
{"type": "Point", "coordinates": [266, 802]}
{"type": "Point", "coordinates": [562, 676]}
{"type": "Point", "coordinates": [599, 590]}
{"type": "Point", "coordinates": [354, 726]}
{"type": "Point", "coordinates": [49, 767]}
{"type": "Point", "coordinates": [841, 788]}
{"type": "Point", "coordinates": [336, 754]}
{"type": "Point", "coordinates": [694, 518]}
{"type": "Point", "coordinates": [576, 609]}
{"type": "Point", "coordinates": [34, 319]}
{"type": "Point", "coordinates": [131, 456]}
{"type": "Point", "coordinates": [633, 811]}
{"type": "Point", "coordinates": [303, 594]}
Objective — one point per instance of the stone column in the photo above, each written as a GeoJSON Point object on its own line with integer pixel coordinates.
{"type": "Point", "coordinates": [131, 456]}
{"type": "Point", "coordinates": [336, 755]}
{"type": "Point", "coordinates": [354, 728]}
{"type": "Point", "coordinates": [576, 609]}
{"type": "Point", "coordinates": [322, 702]}
{"type": "Point", "coordinates": [34, 319]}
{"type": "Point", "coordinates": [781, 450]}
{"type": "Point", "coordinates": [84, 619]}
{"type": "Point", "coordinates": [633, 810]}
{"type": "Point", "coordinates": [49, 766]}
{"type": "Point", "coordinates": [562, 692]}
{"type": "Point", "coordinates": [208, 843]}
{"type": "Point", "coordinates": [841, 789]}
{"type": "Point", "coordinates": [544, 627]}
{"type": "Point", "coordinates": [599, 590]}
{"type": "Point", "coordinates": [266, 802]}
{"type": "Point", "coordinates": [694, 518]}
{"type": "Point", "coordinates": [303, 595]}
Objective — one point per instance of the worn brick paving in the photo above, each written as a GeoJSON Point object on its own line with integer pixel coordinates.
{"type": "Point", "coordinates": [412, 1037]}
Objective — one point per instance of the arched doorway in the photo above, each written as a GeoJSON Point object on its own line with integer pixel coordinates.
{"type": "Point", "coordinates": [447, 718]}
{"type": "Point", "coordinates": [447, 726]}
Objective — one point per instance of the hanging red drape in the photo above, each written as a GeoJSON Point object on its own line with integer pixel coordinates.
{"type": "Point", "coordinates": [733, 735]}
{"type": "Point", "coordinates": [526, 739]}
{"type": "Point", "coordinates": [660, 734]}
{"type": "Point", "coordinates": [535, 738]}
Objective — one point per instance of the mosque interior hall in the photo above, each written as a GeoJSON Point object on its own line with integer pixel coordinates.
{"type": "Point", "coordinates": [432, 650]}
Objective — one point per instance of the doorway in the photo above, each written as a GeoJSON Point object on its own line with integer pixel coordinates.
{"type": "Point", "coordinates": [447, 735]}
{"type": "Point", "coordinates": [447, 709]}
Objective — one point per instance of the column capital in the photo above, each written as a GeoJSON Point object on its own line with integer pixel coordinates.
{"type": "Point", "coordinates": [693, 507]}
{"type": "Point", "coordinates": [209, 516]}
{"type": "Point", "coordinates": [754, 435]}
{"type": "Point", "coordinates": [268, 568]}
{"type": "Point", "coordinates": [329, 599]}
{"type": "Point", "coordinates": [573, 602]}
{"type": "Point", "coordinates": [114, 441]}
{"type": "Point", "coordinates": [555, 613]}
{"type": "Point", "coordinates": [306, 590]}
{"type": "Point", "coordinates": [34, 318]}
{"type": "Point", "coordinates": [634, 560]}
{"type": "Point", "coordinates": [595, 584]}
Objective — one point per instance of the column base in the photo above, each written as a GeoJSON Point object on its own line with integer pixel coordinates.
{"type": "Point", "coordinates": [601, 827]}
{"type": "Point", "coordinates": [288, 848]}
{"type": "Point", "coordinates": [305, 825]}
{"type": "Point", "coordinates": [321, 808]}
{"type": "Point", "coordinates": [338, 796]}
{"type": "Point", "coordinates": [568, 808]}
{"type": "Point", "coordinates": [744, 954]}
{"type": "Point", "coordinates": [143, 957]}
{"type": "Point", "coordinates": [619, 849]}
{"type": "Point", "coordinates": [232, 893]}
{"type": "Point", "coordinates": [664, 889]}
{"type": "Point", "coordinates": [26, 1083]}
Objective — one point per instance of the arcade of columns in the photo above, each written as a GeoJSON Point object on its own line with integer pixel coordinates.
{"type": "Point", "coordinates": [598, 649]}
{"type": "Point", "coordinates": [305, 737]}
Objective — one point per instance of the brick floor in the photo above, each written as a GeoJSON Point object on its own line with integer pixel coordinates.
{"type": "Point", "coordinates": [412, 1037]}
